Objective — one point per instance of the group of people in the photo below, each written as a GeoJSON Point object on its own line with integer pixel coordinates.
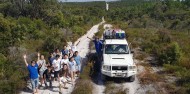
{"type": "Point", "coordinates": [62, 66]}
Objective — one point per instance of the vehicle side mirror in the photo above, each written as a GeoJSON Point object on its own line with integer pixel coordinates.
{"type": "Point", "coordinates": [132, 52]}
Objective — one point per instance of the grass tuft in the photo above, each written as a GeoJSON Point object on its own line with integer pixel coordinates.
{"type": "Point", "coordinates": [114, 89]}
{"type": "Point", "coordinates": [84, 84]}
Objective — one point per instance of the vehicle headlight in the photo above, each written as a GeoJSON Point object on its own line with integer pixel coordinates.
{"type": "Point", "coordinates": [132, 68]}
{"type": "Point", "coordinates": [107, 68]}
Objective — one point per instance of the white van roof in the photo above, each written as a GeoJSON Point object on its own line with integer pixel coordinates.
{"type": "Point", "coordinates": [116, 41]}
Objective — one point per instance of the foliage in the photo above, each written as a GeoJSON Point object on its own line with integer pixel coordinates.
{"type": "Point", "coordinates": [27, 26]}
{"type": "Point", "coordinates": [170, 55]}
{"type": "Point", "coordinates": [158, 27]}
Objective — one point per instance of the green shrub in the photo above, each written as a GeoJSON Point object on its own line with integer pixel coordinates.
{"type": "Point", "coordinates": [83, 87]}
{"type": "Point", "coordinates": [170, 55]}
{"type": "Point", "coordinates": [171, 68]}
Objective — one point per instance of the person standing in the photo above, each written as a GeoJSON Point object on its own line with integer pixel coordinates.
{"type": "Point", "coordinates": [98, 45]}
{"type": "Point", "coordinates": [65, 61]}
{"type": "Point", "coordinates": [78, 63]}
{"type": "Point", "coordinates": [47, 75]}
{"type": "Point", "coordinates": [51, 58]}
{"type": "Point", "coordinates": [33, 72]}
{"type": "Point", "coordinates": [56, 65]}
{"type": "Point", "coordinates": [63, 80]}
{"type": "Point", "coordinates": [42, 67]}
{"type": "Point", "coordinates": [65, 50]}
{"type": "Point", "coordinates": [72, 67]}
{"type": "Point", "coordinates": [57, 52]}
{"type": "Point", "coordinates": [70, 53]}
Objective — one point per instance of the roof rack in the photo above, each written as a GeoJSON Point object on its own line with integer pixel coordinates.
{"type": "Point", "coordinates": [114, 34]}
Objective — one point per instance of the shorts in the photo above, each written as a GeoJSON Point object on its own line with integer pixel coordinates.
{"type": "Point", "coordinates": [62, 80]}
{"type": "Point", "coordinates": [78, 67]}
{"type": "Point", "coordinates": [73, 69]}
{"type": "Point", "coordinates": [34, 83]}
{"type": "Point", "coordinates": [56, 73]}
{"type": "Point", "coordinates": [41, 73]}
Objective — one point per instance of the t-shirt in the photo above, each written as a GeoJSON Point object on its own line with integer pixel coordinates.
{"type": "Point", "coordinates": [51, 60]}
{"type": "Point", "coordinates": [64, 61]}
{"type": "Point", "coordinates": [43, 65]}
{"type": "Point", "coordinates": [98, 46]}
{"type": "Point", "coordinates": [33, 71]}
{"type": "Point", "coordinates": [66, 51]}
{"type": "Point", "coordinates": [56, 64]}
{"type": "Point", "coordinates": [77, 59]}
{"type": "Point", "coordinates": [47, 74]}
{"type": "Point", "coordinates": [72, 65]}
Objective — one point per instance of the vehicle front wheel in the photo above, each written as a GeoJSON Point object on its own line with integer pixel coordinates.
{"type": "Point", "coordinates": [132, 78]}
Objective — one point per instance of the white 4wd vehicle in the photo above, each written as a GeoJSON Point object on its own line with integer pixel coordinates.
{"type": "Point", "coordinates": [117, 57]}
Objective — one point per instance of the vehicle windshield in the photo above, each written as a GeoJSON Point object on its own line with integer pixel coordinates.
{"type": "Point", "coordinates": [116, 49]}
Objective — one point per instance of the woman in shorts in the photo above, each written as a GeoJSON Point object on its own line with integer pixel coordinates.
{"type": "Point", "coordinates": [72, 66]}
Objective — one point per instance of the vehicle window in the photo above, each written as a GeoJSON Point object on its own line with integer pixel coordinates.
{"type": "Point", "coordinates": [116, 49]}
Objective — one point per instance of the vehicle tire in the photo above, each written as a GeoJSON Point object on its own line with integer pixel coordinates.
{"type": "Point", "coordinates": [132, 78]}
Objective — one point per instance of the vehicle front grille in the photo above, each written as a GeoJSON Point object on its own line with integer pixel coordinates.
{"type": "Point", "coordinates": [119, 67]}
